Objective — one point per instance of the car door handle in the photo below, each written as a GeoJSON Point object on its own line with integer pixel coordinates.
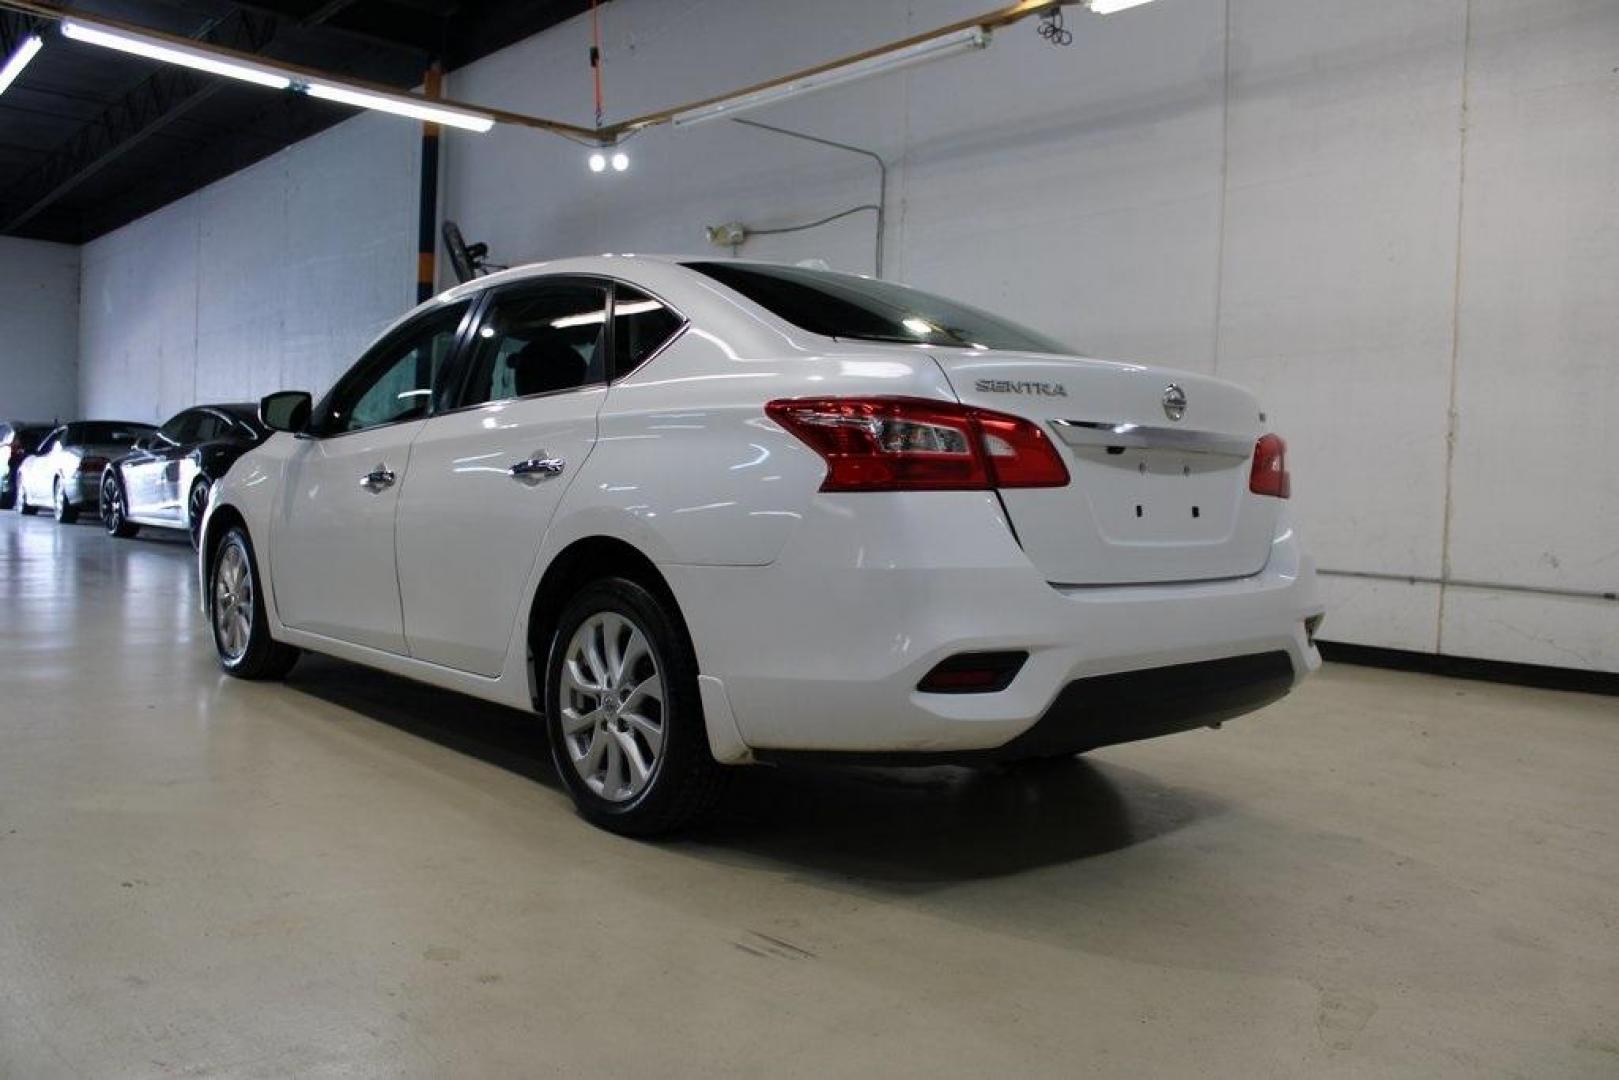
{"type": "Point", "coordinates": [542, 468]}
{"type": "Point", "coordinates": [378, 479]}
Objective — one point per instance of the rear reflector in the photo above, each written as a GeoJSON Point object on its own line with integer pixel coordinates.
{"type": "Point", "coordinates": [909, 444]}
{"type": "Point", "coordinates": [1269, 475]}
{"type": "Point", "coordinates": [973, 673]}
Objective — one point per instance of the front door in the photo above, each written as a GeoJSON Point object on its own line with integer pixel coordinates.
{"type": "Point", "coordinates": [486, 478]}
{"type": "Point", "coordinates": [332, 561]}
{"type": "Point", "coordinates": [150, 479]}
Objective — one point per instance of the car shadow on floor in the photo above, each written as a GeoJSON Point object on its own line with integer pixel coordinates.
{"type": "Point", "coordinates": [895, 828]}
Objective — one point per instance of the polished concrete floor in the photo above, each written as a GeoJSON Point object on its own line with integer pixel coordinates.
{"type": "Point", "coordinates": [1386, 874]}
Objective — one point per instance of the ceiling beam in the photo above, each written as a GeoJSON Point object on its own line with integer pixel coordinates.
{"type": "Point", "coordinates": [165, 96]}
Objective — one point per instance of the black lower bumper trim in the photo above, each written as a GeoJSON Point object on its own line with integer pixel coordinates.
{"type": "Point", "coordinates": [1107, 709]}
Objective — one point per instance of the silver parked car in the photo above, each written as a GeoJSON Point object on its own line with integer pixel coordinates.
{"type": "Point", "coordinates": [65, 472]}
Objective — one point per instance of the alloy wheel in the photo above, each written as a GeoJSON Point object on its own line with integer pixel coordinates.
{"type": "Point", "coordinates": [112, 497]}
{"type": "Point", "coordinates": [612, 706]}
{"type": "Point", "coordinates": [233, 602]}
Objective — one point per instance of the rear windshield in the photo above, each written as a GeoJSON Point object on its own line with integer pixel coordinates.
{"type": "Point", "coordinates": [849, 306]}
{"type": "Point", "coordinates": [99, 433]}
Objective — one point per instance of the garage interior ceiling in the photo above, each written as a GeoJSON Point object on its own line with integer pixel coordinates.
{"type": "Point", "coordinates": [91, 140]}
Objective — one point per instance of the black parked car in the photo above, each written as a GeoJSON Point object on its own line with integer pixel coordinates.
{"type": "Point", "coordinates": [18, 439]}
{"type": "Point", "coordinates": [164, 481]}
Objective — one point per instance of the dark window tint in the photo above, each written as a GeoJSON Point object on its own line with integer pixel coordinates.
{"type": "Point", "coordinates": [181, 428]}
{"type": "Point", "coordinates": [848, 306]}
{"type": "Point", "coordinates": [98, 433]}
{"type": "Point", "coordinates": [49, 443]}
{"type": "Point", "coordinates": [539, 340]}
{"type": "Point", "coordinates": [209, 427]}
{"type": "Point", "coordinates": [641, 326]}
{"type": "Point", "coordinates": [395, 381]}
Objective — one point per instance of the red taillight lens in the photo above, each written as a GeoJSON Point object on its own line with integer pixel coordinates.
{"type": "Point", "coordinates": [908, 444]}
{"type": "Point", "coordinates": [1269, 476]}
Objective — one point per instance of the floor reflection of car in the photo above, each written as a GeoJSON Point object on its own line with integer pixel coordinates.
{"type": "Point", "coordinates": [164, 481]}
{"type": "Point", "coordinates": [17, 441]}
{"type": "Point", "coordinates": [65, 472]}
{"type": "Point", "coordinates": [725, 512]}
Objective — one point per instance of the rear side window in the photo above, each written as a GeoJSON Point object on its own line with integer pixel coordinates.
{"type": "Point", "coordinates": [850, 306]}
{"type": "Point", "coordinates": [539, 339]}
{"type": "Point", "coordinates": [642, 325]}
{"type": "Point", "coordinates": [98, 433]}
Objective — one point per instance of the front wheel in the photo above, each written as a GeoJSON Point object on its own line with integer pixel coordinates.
{"type": "Point", "coordinates": [236, 609]}
{"type": "Point", "coordinates": [115, 509]}
{"type": "Point", "coordinates": [65, 512]}
{"type": "Point", "coordinates": [196, 505]}
{"type": "Point", "coordinates": [623, 714]}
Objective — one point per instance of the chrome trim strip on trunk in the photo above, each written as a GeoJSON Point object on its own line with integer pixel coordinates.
{"type": "Point", "coordinates": [1102, 433]}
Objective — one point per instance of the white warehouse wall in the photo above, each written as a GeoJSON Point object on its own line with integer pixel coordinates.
{"type": "Point", "coordinates": [39, 329]}
{"type": "Point", "coordinates": [274, 277]}
{"type": "Point", "coordinates": [1396, 220]}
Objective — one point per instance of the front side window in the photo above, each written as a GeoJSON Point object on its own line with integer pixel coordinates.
{"type": "Point", "coordinates": [394, 382]}
{"type": "Point", "coordinates": [209, 427]}
{"type": "Point", "coordinates": [180, 429]}
{"type": "Point", "coordinates": [642, 325]}
{"type": "Point", "coordinates": [539, 339]}
{"type": "Point", "coordinates": [865, 309]}
{"type": "Point", "coordinates": [49, 444]}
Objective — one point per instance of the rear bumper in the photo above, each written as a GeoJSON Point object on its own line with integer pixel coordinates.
{"type": "Point", "coordinates": [822, 651]}
{"type": "Point", "coordinates": [1105, 710]}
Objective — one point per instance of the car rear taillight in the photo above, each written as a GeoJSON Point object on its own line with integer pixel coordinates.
{"type": "Point", "coordinates": [1269, 475]}
{"type": "Point", "coordinates": [909, 444]}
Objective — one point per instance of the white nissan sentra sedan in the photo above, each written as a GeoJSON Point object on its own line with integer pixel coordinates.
{"type": "Point", "coordinates": [703, 513]}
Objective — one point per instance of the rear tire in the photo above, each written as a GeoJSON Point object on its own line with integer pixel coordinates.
{"type": "Point", "coordinates": [236, 613]}
{"type": "Point", "coordinates": [65, 512]}
{"type": "Point", "coordinates": [115, 508]}
{"type": "Point", "coordinates": [623, 713]}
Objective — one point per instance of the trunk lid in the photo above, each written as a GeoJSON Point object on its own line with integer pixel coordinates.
{"type": "Point", "coordinates": [1159, 463]}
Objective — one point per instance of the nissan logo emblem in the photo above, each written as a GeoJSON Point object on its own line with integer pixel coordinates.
{"type": "Point", "coordinates": [1174, 402]}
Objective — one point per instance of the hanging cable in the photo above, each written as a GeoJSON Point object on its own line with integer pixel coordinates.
{"type": "Point", "coordinates": [596, 57]}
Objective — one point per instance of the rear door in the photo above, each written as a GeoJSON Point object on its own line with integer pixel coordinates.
{"type": "Point", "coordinates": [1159, 462]}
{"type": "Point", "coordinates": [486, 478]}
{"type": "Point", "coordinates": [333, 567]}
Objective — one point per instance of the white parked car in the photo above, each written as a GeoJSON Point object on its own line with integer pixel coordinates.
{"type": "Point", "coordinates": [702, 513]}
{"type": "Point", "coordinates": [64, 473]}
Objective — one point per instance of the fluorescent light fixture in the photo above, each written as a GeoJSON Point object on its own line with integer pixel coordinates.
{"type": "Point", "coordinates": [401, 105]}
{"type": "Point", "coordinates": [1108, 7]}
{"type": "Point", "coordinates": [973, 37]}
{"type": "Point", "coordinates": [173, 53]}
{"type": "Point", "coordinates": [267, 75]}
{"type": "Point", "coordinates": [19, 60]}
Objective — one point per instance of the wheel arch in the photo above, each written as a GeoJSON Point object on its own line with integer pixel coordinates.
{"type": "Point", "coordinates": [582, 561]}
{"type": "Point", "coordinates": [215, 526]}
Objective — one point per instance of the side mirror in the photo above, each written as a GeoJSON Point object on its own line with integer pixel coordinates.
{"type": "Point", "coordinates": [287, 410]}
